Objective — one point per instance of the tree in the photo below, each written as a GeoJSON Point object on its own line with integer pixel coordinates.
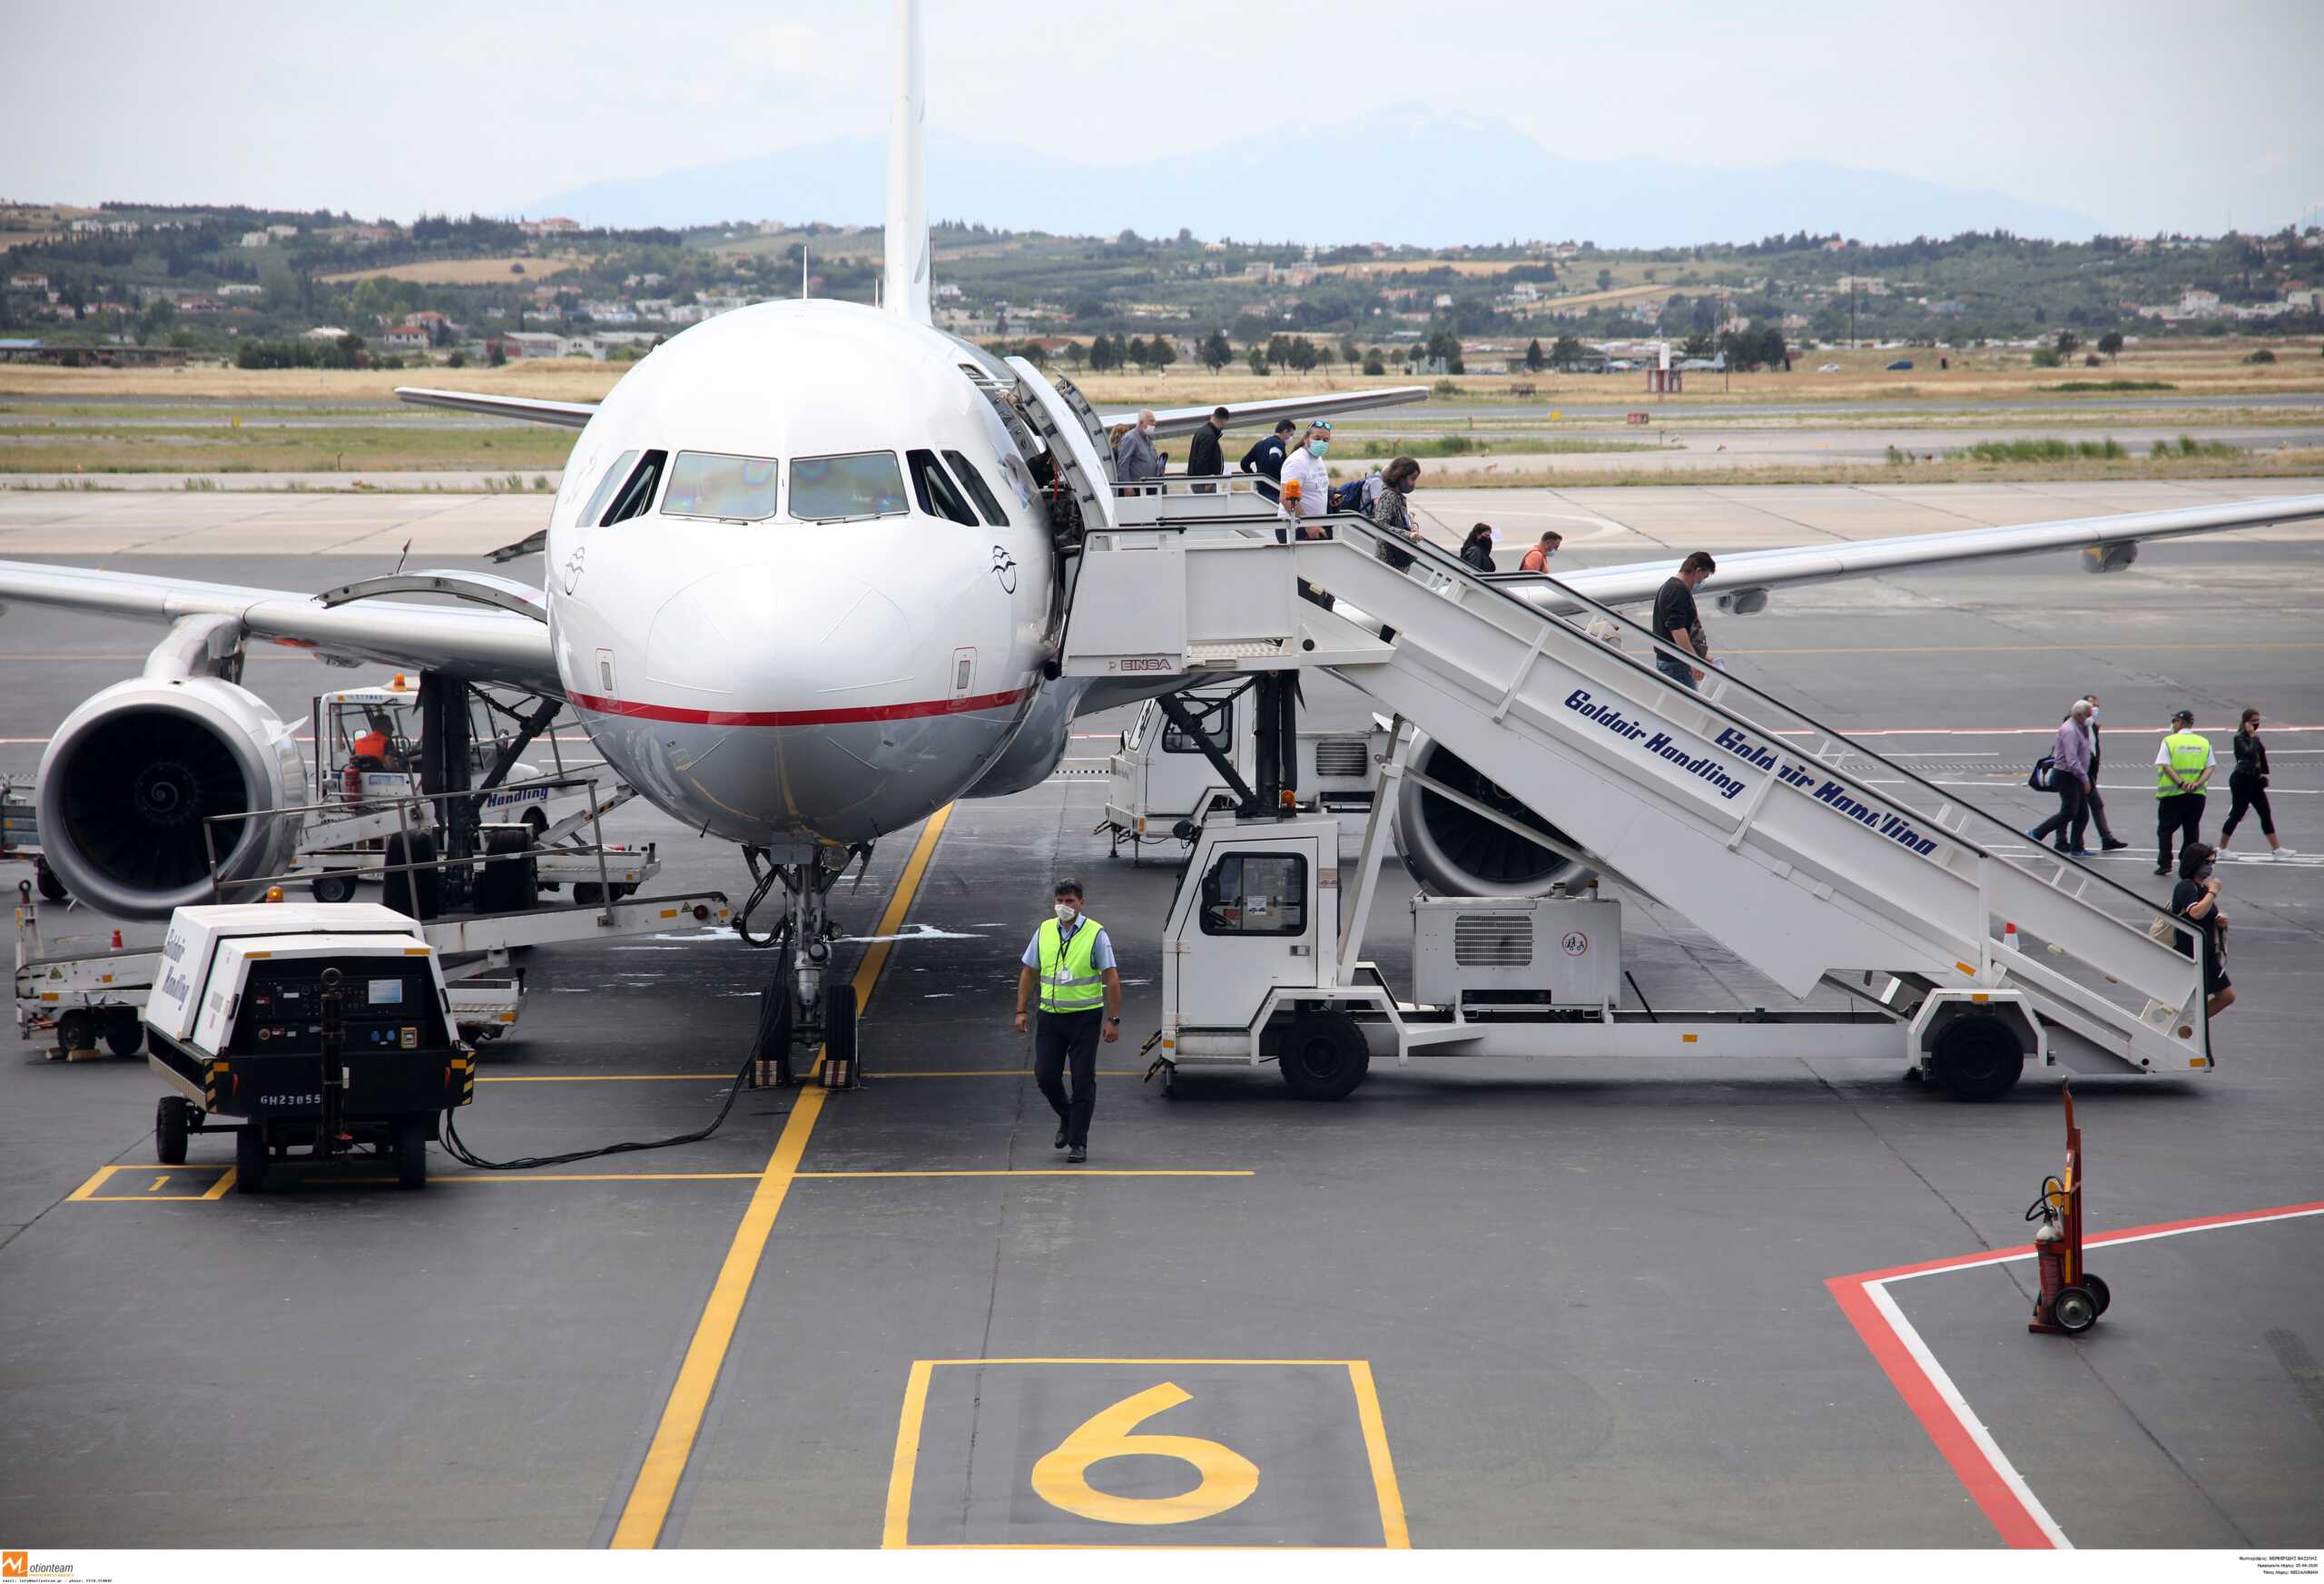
{"type": "Point", "coordinates": [2067, 343]}
{"type": "Point", "coordinates": [1074, 354]}
{"type": "Point", "coordinates": [1101, 353]}
{"type": "Point", "coordinates": [494, 354]}
{"type": "Point", "coordinates": [1215, 353]}
{"type": "Point", "coordinates": [1140, 353]}
{"type": "Point", "coordinates": [1373, 366]}
{"type": "Point", "coordinates": [2110, 343]}
{"type": "Point", "coordinates": [1304, 355]}
{"type": "Point", "coordinates": [1348, 351]}
{"type": "Point", "coordinates": [1443, 347]}
{"type": "Point", "coordinates": [1258, 359]}
{"type": "Point", "coordinates": [1163, 352]}
{"type": "Point", "coordinates": [1533, 359]}
{"type": "Point", "coordinates": [1605, 279]}
{"type": "Point", "coordinates": [1566, 353]}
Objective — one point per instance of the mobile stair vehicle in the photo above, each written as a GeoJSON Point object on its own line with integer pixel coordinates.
{"type": "Point", "coordinates": [1815, 861]}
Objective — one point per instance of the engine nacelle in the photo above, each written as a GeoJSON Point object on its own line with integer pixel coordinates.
{"type": "Point", "coordinates": [1457, 852]}
{"type": "Point", "coordinates": [2113, 557]}
{"type": "Point", "coordinates": [130, 775]}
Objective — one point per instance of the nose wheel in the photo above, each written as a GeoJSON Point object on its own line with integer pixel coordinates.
{"type": "Point", "coordinates": [803, 1013]}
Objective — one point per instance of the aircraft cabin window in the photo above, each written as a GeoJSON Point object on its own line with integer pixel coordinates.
{"type": "Point", "coordinates": [986, 503]}
{"type": "Point", "coordinates": [865, 483]}
{"type": "Point", "coordinates": [710, 483]}
{"type": "Point", "coordinates": [1255, 893]}
{"type": "Point", "coordinates": [637, 491]}
{"type": "Point", "coordinates": [602, 496]}
{"type": "Point", "coordinates": [938, 496]}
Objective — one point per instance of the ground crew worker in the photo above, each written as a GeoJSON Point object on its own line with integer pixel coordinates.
{"type": "Point", "coordinates": [2182, 768]}
{"type": "Point", "coordinates": [370, 754]}
{"type": "Point", "coordinates": [1072, 960]}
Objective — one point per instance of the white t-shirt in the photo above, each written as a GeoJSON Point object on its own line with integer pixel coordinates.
{"type": "Point", "coordinates": [1315, 481]}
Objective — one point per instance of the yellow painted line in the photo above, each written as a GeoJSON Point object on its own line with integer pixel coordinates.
{"type": "Point", "coordinates": [600, 1178]}
{"type": "Point", "coordinates": [1393, 1528]}
{"type": "Point", "coordinates": [895, 1531]}
{"type": "Point", "coordinates": [997, 1072]}
{"type": "Point", "coordinates": [648, 1507]}
{"type": "Point", "coordinates": [604, 1078]}
{"type": "Point", "coordinates": [87, 1193]}
{"type": "Point", "coordinates": [1046, 1172]}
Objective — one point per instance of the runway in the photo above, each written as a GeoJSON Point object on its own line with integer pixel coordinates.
{"type": "Point", "coordinates": [1585, 1305]}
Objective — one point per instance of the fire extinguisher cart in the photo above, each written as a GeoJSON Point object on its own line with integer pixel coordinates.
{"type": "Point", "coordinates": [2070, 1299]}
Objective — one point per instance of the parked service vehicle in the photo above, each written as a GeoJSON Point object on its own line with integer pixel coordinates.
{"type": "Point", "coordinates": [1901, 366]}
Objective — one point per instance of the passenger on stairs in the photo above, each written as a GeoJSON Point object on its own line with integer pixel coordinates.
{"type": "Point", "coordinates": [1266, 458]}
{"type": "Point", "coordinates": [1676, 621]}
{"type": "Point", "coordinates": [1477, 548]}
{"type": "Point", "coordinates": [1135, 458]}
{"type": "Point", "coordinates": [2195, 899]}
{"type": "Point", "coordinates": [1390, 513]}
{"type": "Point", "coordinates": [1537, 559]}
{"type": "Point", "coordinates": [1204, 458]}
{"type": "Point", "coordinates": [1307, 465]}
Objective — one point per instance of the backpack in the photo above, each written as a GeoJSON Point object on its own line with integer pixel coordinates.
{"type": "Point", "coordinates": [1348, 497]}
{"type": "Point", "coordinates": [2044, 777]}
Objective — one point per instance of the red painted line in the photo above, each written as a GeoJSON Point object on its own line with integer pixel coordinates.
{"type": "Point", "coordinates": [1978, 1476]}
{"type": "Point", "coordinates": [633, 710]}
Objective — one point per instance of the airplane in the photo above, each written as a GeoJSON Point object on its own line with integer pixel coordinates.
{"type": "Point", "coordinates": [804, 585]}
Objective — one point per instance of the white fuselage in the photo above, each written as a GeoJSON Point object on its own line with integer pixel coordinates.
{"type": "Point", "coordinates": [774, 679]}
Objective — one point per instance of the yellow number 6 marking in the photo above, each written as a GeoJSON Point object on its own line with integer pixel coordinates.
{"type": "Point", "coordinates": [1060, 1479]}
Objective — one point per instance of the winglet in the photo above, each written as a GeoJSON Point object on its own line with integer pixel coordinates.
{"type": "Point", "coordinates": [906, 242]}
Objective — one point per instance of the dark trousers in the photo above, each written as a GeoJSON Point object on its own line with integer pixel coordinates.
{"type": "Point", "coordinates": [2096, 803]}
{"type": "Point", "coordinates": [2181, 813]}
{"type": "Point", "coordinates": [1062, 1037]}
{"type": "Point", "coordinates": [2249, 795]}
{"type": "Point", "coordinates": [2073, 819]}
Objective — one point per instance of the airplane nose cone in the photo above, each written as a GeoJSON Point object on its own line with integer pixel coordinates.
{"type": "Point", "coordinates": [767, 638]}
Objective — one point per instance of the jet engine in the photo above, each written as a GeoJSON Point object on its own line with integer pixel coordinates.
{"type": "Point", "coordinates": [1456, 851]}
{"type": "Point", "coordinates": [132, 775]}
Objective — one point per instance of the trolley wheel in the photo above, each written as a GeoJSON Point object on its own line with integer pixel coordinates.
{"type": "Point", "coordinates": [839, 1030]}
{"type": "Point", "coordinates": [171, 1116]}
{"type": "Point", "coordinates": [249, 1159]}
{"type": "Point", "coordinates": [2074, 1310]}
{"type": "Point", "coordinates": [417, 892]}
{"type": "Point", "coordinates": [537, 823]}
{"type": "Point", "coordinates": [77, 1030]}
{"type": "Point", "coordinates": [52, 889]}
{"type": "Point", "coordinates": [2098, 1293]}
{"type": "Point", "coordinates": [510, 878]}
{"type": "Point", "coordinates": [411, 1154]}
{"type": "Point", "coordinates": [127, 1035]}
{"type": "Point", "coordinates": [585, 893]}
{"type": "Point", "coordinates": [1325, 1055]}
{"type": "Point", "coordinates": [1977, 1058]}
{"type": "Point", "coordinates": [334, 887]}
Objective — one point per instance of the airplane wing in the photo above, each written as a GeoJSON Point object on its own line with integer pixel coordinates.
{"type": "Point", "coordinates": [2108, 544]}
{"type": "Point", "coordinates": [571, 414]}
{"type": "Point", "coordinates": [1185, 420]}
{"type": "Point", "coordinates": [488, 645]}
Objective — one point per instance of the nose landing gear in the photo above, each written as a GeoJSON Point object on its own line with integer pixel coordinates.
{"type": "Point", "coordinates": [801, 1009]}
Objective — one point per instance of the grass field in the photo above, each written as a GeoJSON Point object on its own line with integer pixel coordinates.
{"type": "Point", "coordinates": [213, 448]}
{"type": "Point", "coordinates": [462, 271]}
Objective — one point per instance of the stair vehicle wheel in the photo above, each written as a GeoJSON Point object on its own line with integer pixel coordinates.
{"type": "Point", "coordinates": [52, 889]}
{"type": "Point", "coordinates": [1325, 1055]}
{"type": "Point", "coordinates": [585, 893]}
{"type": "Point", "coordinates": [411, 1154]}
{"type": "Point", "coordinates": [125, 1036]}
{"type": "Point", "coordinates": [77, 1030]}
{"type": "Point", "coordinates": [2075, 1310]}
{"type": "Point", "coordinates": [420, 891]}
{"type": "Point", "coordinates": [249, 1159]}
{"type": "Point", "coordinates": [1977, 1058]}
{"type": "Point", "coordinates": [839, 1029]}
{"type": "Point", "coordinates": [334, 887]}
{"type": "Point", "coordinates": [2098, 1293]}
{"type": "Point", "coordinates": [170, 1115]}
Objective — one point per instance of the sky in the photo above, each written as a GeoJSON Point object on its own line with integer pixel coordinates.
{"type": "Point", "coordinates": [2145, 116]}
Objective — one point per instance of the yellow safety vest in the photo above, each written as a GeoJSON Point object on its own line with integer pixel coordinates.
{"type": "Point", "coordinates": [2188, 752]}
{"type": "Point", "coordinates": [1070, 979]}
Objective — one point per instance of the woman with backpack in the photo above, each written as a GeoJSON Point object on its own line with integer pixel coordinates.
{"type": "Point", "coordinates": [2247, 785]}
{"type": "Point", "coordinates": [1477, 549]}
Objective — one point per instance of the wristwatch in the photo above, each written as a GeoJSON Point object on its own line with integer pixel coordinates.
{"type": "Point", "coordinates": [1113, 1020]}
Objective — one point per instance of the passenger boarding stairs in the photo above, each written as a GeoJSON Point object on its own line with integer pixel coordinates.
{"type": "Point", "coordinates": [1808, 856]}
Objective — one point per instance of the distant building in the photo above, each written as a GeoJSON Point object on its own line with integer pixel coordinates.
{"type": "Point", "coordinates": [326, 333]}
{"type": "Point", "coordinates": [282, 231]}
{"type": "Point", "coordinates": [242, 289]}
{"type": "Point", "coordinates": [1869, 285]}
{"type": "Point", "coordinates": [23, 283]}
{"type": "Point", "coordinates": [948, 291]}
{"type": "Point", "coordinates": [517, 344]}
{"type": "Point", "coordinates": [255, 239]}
{"type": "Point", "coordinates": [408, 338]}
{"type": "Point", "coordinates": [555, 226]}
{"type": "Point", "coordinates": [2196, 300]}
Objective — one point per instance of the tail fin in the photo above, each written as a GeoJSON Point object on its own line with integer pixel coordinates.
{"type": "Point", "coordinates": [906, 283]}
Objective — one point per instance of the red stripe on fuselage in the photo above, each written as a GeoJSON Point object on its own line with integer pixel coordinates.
{"type": "Point", "coordinates": [643, 712]}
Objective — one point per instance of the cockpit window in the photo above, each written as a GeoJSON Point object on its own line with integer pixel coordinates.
{"type": "Point", "coordinates": [865, 483]}
{"type": "Point", "coordinates": [595, 512]}
{"type": "Point", "coordinates": [978, 489]}
{"type": "Point", "coordinates": [939, 496]}
{"type": "Point", "coordinates": [637, 490]}
{"type": "Point", "coordinates": [710, 483]}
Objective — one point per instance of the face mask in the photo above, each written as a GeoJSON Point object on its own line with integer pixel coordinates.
{"type": "Point", "coordinates": [1067, 912]}
{"type": "Point", "coordinates": [2204, 872]}
{"type": "Point", "coordinates": [2093, 712]}
{"type": "Point", "coordinates": [1317, 448]}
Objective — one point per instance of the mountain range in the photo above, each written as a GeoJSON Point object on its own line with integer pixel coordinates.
{"type": "Point", "coordinates": [1402, 176]}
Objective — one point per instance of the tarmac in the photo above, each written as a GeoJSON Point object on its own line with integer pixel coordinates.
{"type": "Point", "coordinates": [1591, 1303]}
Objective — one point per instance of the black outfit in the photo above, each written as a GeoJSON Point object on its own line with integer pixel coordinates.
{"type": "Point", "coordinates": [1674, 608]}
{"type": "Point", "coordinates": [1069, 1037]}
{"type": "Point", "coordinates": [1478, 552]}
{"type": "Point", "coordinates": [1204, 458]}
{"type": "Point", "coordinates": [1266, 458]}
{"type": "Point", "coordinates": [2094, 802]}
{"type": "Point", "coordinates": [2185, 895]}
{"type": "Point", "coordinates": [2247, 785]}
{"type": "Point", "coordinates": [2179, 815]}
